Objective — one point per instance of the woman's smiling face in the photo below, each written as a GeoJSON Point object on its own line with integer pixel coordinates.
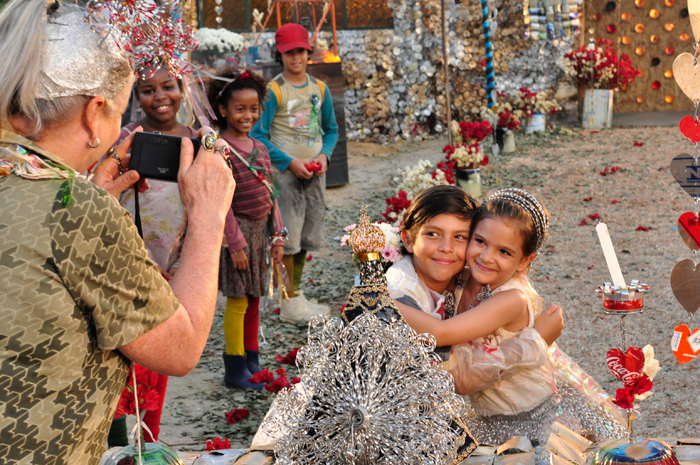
{"type": "Point", "coordinates": [439, 249]}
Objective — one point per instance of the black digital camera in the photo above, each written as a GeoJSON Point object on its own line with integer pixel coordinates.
{"type": "Point", "coordinates": [157, 156]}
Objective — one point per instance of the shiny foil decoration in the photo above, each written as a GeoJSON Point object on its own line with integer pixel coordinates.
{"type": "Point", "coordinates": [668, 74]}
{"type": "Point", "coordinates": [654, 39]}
{"type": "Point", "coordinates": [669, 27]}
{"type": "Point", "coordinates": [626, 40]}
{"type": "Point", "coordinates": [642, 72]}
{"type": "Point", "coordinates": [363, 386]}
{"type": "Point", "coordinates": [597, 17]}
{"type": "Point", "coordinates": [366, 238]}
{"type": "Point", "coordinates": [639, 3]}
{"type": "Point", "coordinates": [685, 37]}
{"type": "Point", "coordinates": [639, 28]}
{"type": "Point", "coordinates": [640, 99]}
{"type": "Point", "coordinates": [656, 61]}
{"type": "Point", "coordinates": [656, 85]}
{"type": "Point", "coordinates": [670, 50]}
{"type": "Point", "coordinates": [669, 3]}
{"type": "Point", "coordinates": [639, 51]}
{"type": "Point", "coordinates": [669, 98]}
{"type": "Point", "coordinates": [654, 13]}
{"type": "Point", "coordinates": [142, 29]}
{"type": "Point", "coordinates": [626, 17]}
{"type": "Point", "coordinates": [611, 28]}
{"type": "Point", "coordinates": [641, 451]}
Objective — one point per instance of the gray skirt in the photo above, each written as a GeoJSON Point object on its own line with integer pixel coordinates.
{"type": "Point", "coordinates": [253, 280]}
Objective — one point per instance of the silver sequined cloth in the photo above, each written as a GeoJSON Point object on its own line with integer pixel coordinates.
{"type": "Point", "coordinates": [76, 60]}
{"type": "Point", "coordinates": [568, 407]}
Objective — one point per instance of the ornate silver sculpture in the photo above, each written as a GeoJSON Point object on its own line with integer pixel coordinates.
{"type": "Point", "coordinates": [372, 390]}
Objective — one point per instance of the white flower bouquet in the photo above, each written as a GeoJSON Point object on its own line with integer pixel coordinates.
{"type": "Point", "coordinates": [219, 40]}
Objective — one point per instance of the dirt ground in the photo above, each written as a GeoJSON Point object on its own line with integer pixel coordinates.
{"type": "Point", "coordinates": [563, 169]}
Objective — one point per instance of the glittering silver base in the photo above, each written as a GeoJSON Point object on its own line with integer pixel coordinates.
{"type": "Point", "coordinates": [569, 408]}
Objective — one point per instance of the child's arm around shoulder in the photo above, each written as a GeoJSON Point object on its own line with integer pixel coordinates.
{"type": "Point", "coordinates": [506, 309]}
{"type": "Point", "coordinates": [261, 132]}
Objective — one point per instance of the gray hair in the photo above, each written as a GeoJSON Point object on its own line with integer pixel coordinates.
{"type": "Point", "coordinates": [23, 45]}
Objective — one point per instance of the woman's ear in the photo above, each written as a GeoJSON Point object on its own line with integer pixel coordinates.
{"type": "Point", "coordinates": [525, 262]}
{"type": "Point", "coordinates": [92, 113]}
{"type": "Point", "coordinates": [406, 241]}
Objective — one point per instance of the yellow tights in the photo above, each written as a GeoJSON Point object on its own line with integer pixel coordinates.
{"type": "Point", "coordinates": [233, 325]}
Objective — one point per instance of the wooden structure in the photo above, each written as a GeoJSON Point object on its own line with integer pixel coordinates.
{"type": "Point", "coordinates": [328, 8]}
{"type": "Point", "coordinates": [652, 33]}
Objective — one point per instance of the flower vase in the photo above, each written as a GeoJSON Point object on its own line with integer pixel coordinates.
{"type": "Point", "coordinates": [508, 141]}
{"type": "Point", "coordinates": [469, 179]}
{"type": "Point", "coordinates": [536, 123]}
{"type": "Point", "coordinates": [597, 109]}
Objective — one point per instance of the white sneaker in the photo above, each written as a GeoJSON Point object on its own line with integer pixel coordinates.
{"type": "Point", "coordinates": [299, 309]}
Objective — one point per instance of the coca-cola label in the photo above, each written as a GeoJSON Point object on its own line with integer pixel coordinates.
{"type": "Point", "coordinates": [626, 367]}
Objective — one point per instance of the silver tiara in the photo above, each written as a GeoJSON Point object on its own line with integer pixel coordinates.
{"type": "Point", "coordinates": [531, 206]}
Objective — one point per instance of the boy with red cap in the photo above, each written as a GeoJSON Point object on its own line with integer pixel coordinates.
{"type": "Point", "coordinates": [299, 129]}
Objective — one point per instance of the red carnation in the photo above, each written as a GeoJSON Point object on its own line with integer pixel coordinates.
{"type": "Point", "coordinates": [218, 444]}
{"type": "Point", "coordinates": [290, 358]}
{"type": "Point", "coordinates": [236, 414]}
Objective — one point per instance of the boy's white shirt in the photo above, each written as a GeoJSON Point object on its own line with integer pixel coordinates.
{"type": "Point", "coordinates": [403, 281]}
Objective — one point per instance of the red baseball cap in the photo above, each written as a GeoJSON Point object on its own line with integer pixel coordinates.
{"type": "Point", "coordinates": [291, 36]}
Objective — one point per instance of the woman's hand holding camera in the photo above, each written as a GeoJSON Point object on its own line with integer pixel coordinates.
{"type": "Point", "coordinates": [113, 173]}
{"type": "Point", "coordinates": [206, 183]}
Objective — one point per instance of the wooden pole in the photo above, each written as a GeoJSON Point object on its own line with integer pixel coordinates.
{"type": "Point", "coordinates": [446, 70]}
{"type": "Point", "coordinates": [318, 26]}
{"type": "Point", "coordinates": [335, 35]}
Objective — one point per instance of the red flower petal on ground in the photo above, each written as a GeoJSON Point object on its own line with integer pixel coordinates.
{"type": "Point", "coordinates": [594, 216]}
{"type": "Point", "coordinates": [583, 222]}
{"type": "Point", "coordinates": [236, 414]}
{"type": "Point", "coordinates": [218, 444]}
{"type": "Point", "coordinates": [587, 199]}
{"type": "Point", "coordinates": [642, 228]}
{"type": "Point", "coordinates": [290, 358]}
{"type": "Point", "coordinates": [296, 380]}
{"type": "Point", "coordinates": [342, 308]}
{"type": "Point", "coordinates": [263, 377]}
{"type": "Point", "coordinates": [591, 267]}
{"type": "Point", "coordinates": [615, 201]}
{"type": "Point", "coordinates": [309, 257]}
{"type": "Point", "coordinates": [594, 132]}
{"type": "Point", "coordinates": [277, 311]}
{"type": "Point", "coordinates": [311, 281]}
{"type": "Point", "coordinates": [638, 144]}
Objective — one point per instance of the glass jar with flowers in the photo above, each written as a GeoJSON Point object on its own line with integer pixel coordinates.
{"type": "Point", "coordinates": [598, 70]}
{"type": "Point", "coordinates": [466, 155]}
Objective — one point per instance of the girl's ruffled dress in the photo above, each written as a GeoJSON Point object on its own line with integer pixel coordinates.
{"type": "Point", "coordinates": [525, 400]}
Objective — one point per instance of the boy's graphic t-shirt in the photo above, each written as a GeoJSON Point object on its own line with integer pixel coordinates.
{"type": "Point", "coordinates": [296, 127]}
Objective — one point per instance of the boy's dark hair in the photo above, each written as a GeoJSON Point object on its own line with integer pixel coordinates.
{"type": "Point", "coordinates": [220, 92]}
{"type": "Point", "coordinates": [434, 201]}
{"type": "Point", "coordinates": [278, 56]}
{"type": "Point", "coordinates": [510, 210]}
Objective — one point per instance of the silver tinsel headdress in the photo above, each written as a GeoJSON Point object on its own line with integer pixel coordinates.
{"type": "Point", "coordinates": [531, 205]}
{"type": "Point", "coordinates": [76, 61]}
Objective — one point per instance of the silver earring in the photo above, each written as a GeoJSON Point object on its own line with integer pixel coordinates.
{"type": "Point", "coordinates": [97, 143]}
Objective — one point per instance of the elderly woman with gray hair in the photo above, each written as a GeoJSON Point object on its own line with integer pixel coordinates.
{"type": "Point", "coordinates": [79, 297]}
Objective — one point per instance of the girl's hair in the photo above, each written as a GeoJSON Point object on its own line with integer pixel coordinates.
{"type": "Point", "coordinates": [524, 210]}
{"type": "Point", "coordinates": [220, 92]}
{"type": "Point", "coordinates": [434, 201]}
{"type": "Point", "coordinates": [23, 39]}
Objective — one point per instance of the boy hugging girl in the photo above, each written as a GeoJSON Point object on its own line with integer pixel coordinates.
{"type": "Point", "coordinates": [464, 280]}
